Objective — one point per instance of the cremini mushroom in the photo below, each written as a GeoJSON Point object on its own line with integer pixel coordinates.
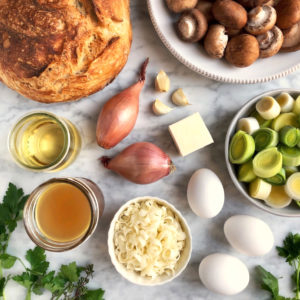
{"type": "Point", "coordinates": [261, 19]}
{"type": "Point", "coordinates": [288, 13]}
{"type": "Point", "coordinates": [252, 3]}
{"type": "Point", "coordinates": [215, 41]}
{"type": "Point", "coordinates": [178, 6]}
{"type": "Point", "coordinates": [192, 26]}
{"type": "Point", "coordinates": [230, 14]}
{"type": "Point", "coordinates": [242, 50]}
{"type": "Point", "coordinates": [291, 39]}
{"type": "Point", "coordinates": [270, 42]}
{"type": "Point", "coordinates": [206, 8]}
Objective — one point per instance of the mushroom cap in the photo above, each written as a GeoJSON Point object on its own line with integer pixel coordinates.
{"type": "Point", "coordinates": [261, 19]}
{"type": "Point", "coordinates": [178, 6]}
{"type": "Point", "coordinates": [230, 14]}
{"type": "Point", "coordinates": [216, 41]}
{"type": "Point", "coordinates": [206, 8]}
{"type": "Point", "coordinates": [288, 13]}
{"type": "Point", "coordinates": [252, 3]}
{"type": "Point", "coordinates": [270, 42]}
{"type": "Point", "coordinates": [242, 50]}
{"type": "Point", "coordinates": [291, 39]}
{"type": "Point", "coordinates": [192, 26]}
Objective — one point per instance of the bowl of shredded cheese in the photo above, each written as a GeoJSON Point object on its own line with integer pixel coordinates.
{"type": "Point", "coordinates": [149, 241]}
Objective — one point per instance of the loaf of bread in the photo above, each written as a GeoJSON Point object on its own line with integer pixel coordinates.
{"type": "Point", "coordinates": [62, 50]}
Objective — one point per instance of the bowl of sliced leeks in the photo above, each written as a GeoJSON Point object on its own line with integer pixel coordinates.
{"type": "Point", "coordinates": [262, 151]}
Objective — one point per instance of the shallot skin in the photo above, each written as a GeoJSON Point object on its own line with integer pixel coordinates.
{"type": "Point", "coordinates": [119, 114]}
{"type": "Point", "coordinates": [141, 163]}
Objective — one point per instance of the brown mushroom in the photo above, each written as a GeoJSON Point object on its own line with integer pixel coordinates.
{"type": "Point", "coordinates": [252, 3]}
{"type": "Point", "coordinates": [206, 8]}
{"type": "Point", "coordinates": [270, 42]}
{"type": "Point", "coordinates": [288, 13]}
{"type": "Point", "coordinates": [192, 26]}
{"type": "Point", "coordinates": [242, 50]}
{"type": "Point", "coordinates": [178, 6]}
{"type": "Point", "coordinates": [261, 19]}
{"type": "Point", "coordinates": [215, 41]}
{"type": "Point", "coordinates": [291, 39]}
{"type": "Point", "coordinates": [230, 14]}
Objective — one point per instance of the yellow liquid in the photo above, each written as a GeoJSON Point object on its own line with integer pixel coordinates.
{"type": "Point", "coordinates": [63, 212]}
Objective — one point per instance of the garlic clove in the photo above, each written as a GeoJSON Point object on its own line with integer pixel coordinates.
{"type": "Point", "coordinates": [160, 108]}
{"type": "Point", "coordinates": [179, 98]}
{"type": "Point", "coordinates": [162, 82]}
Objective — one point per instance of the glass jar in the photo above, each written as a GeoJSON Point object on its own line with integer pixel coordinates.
{"type": "Point", "coordinates": [43, 142]}
{"type": "Point", "coordinates": [96, 202]}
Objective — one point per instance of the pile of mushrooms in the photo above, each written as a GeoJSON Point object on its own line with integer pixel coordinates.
{"type": "Point", "coordinates": [241, 31]}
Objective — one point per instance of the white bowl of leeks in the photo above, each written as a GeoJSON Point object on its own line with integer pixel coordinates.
{"type": "Point", "coordinates": [290, 211]}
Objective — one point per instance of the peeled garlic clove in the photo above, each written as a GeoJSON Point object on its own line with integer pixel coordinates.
{"type": "Point", "coordinates": [162, 82]}
{"type": "Point", "coordinates": [160, 108]}
{"type": "Point", "coordinates": [179, 98]}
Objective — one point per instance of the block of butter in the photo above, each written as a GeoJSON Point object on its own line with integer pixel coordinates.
{"type": "Point", "coordinates": [190, 134]}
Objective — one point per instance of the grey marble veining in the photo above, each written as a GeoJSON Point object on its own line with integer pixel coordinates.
{"type": "Point", "coordinates": [217, 103]}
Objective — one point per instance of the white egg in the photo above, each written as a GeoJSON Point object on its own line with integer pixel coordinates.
{"type": "Point", "coordinates": [205, 193]}
{"type": "Point", "coordinates": [249, 235]}
{"type": "Point", "coordinates": [223, 274]}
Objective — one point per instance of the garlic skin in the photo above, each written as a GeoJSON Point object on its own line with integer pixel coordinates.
{"type": "Point", "coordinates": [179, 98]}
{"type": "Point", "coordinates": [162, 82]}
{"type": "Point", "coordinates": [160, 108]}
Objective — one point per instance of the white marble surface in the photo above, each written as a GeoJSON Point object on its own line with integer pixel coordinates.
{"type": "Point", "coordinates": [217, 103]}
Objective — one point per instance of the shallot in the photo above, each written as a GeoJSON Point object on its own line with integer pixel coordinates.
{"type": "Point", "coordinates": [119, 114]}
{"type": "Point", "coordinates": [140, 163]}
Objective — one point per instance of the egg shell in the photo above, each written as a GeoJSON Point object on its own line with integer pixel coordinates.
{"type": "Point", "coordinates": [249, 235]}
{"type": "Point", "coordinates": [224, 274]}
{"type": "Point", "coordinates": [205, 193]}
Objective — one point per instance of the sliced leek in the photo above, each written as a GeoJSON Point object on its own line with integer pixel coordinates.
{"type": "Point", "coordinates": [268, 108]}
{"type": "Point", "coordinates": [278, 179]}
{"type": "Point", "coordinates": [293, 186]}
{"type": "Point", "coordinates": [296, 108]}
{"type": "Point", "coordinates": [260, 189]}
{"type": "Point", "coordinates": [285, 119]}
{"type": "Point", "coordinates": [289, 136]}
{"type": "Point", "coordinates": [261, 121]}
{"type": "Point", "coordinates": [245, 173]}
{"type": "Point", "coordinates": [286, 102]}
{"type": "Point", "coordinates": [290, 156]}
{"type": "Point", "coordinates": [298, 203]}
{"type": "Point", "coordinates": [290, 171]}
{"type": "Point", "coordinates": [249, 125]}
{"type": "Point", "coordinates": [265, 138]}
{"type": "Point", "coordinates": [278, 197]}
{"type": "Point", "coordinates": [242, 148]}
{"type": "Point", "coordinates": [267, 163]}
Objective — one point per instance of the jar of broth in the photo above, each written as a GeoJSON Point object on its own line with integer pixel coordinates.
{"type": "Point", "coordinates": [44, 142]}
{"type": "Point", "coordinates": [62, 213]}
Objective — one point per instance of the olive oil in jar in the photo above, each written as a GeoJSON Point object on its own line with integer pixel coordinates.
{"type": "Point", "coordinates": [43, 142]}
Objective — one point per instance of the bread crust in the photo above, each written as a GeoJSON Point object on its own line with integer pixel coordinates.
{"type": "Point", "coordinates": [62, 50]}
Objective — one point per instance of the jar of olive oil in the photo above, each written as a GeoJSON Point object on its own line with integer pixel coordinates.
{"type": "Point", "coordinates": [41, 141]}
{"type": "Point", "coordinates": [62, 213]}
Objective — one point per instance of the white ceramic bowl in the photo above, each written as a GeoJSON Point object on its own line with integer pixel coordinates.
{"type": "Point", "coordinates": [291, 211]}
{"type": "Point", "coordinates": [194, 56]}
{"type": "Point", "coordinates": [135, 277]}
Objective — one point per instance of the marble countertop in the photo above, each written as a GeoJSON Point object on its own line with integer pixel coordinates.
{"type": "Point", "coordinates": [217, 103]}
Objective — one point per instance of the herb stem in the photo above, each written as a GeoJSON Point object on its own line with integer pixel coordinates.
{"type": "Point", "coordinates": [28, 295]}
{"type": "Point", "coordinates": [1, 276]}
{"type": "Point", "coordinates": [297, 280]}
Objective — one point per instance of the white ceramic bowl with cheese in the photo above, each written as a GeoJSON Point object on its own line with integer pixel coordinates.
{"type": "Point", "coordinates": [135, 277]}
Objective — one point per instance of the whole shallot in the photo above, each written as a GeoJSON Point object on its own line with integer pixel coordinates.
{"type": "Point", "coordinates": [140, 163]}
{"type": "Point", "coordinates": [118, 115]}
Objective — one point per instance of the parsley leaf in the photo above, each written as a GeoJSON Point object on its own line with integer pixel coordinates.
{"type": "Point", "coordinates": [93, 295]}
{"type": "Point", "coordinates": [37, 260]}
{"type": "Point", "coordinates": [69, 272]}
{"type": "Point", "coordinates": [268, 281]}
{"type": "Point", "coordinates": [290, 249]}
{"type": "Point", "coordinates": [7, 260]}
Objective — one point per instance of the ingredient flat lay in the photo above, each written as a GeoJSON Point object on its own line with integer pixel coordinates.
{"type": "Point", "coordinates": [203, 230]}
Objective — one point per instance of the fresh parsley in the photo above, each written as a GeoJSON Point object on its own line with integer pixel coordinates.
{"type": "Point", "coordinates": [291, 252]}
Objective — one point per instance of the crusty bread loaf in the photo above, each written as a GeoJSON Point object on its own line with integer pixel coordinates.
{"type": "Point", "coordinates": [61, 50]}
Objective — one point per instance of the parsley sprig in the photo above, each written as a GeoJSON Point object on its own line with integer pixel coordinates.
{"type": "Point", "coordinates": [291, 252]}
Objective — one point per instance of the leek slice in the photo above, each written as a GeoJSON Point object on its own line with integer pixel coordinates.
{"type": "Point", "coordinates": [286, 119]}
{"type": "Point", "coordinates": [293, 186]}
{"type": "Point", "coordinates": [260, 189]}
{"type": "Point", "coordinates": [296, 108]}
{"type": "Point", "coordinates": [245, 173]}
{"type": "Point", "coordinates": [298, 203]}
{"type": "Point", "coordinates": [261, 121]}
{"type": "Point", "coordinates": [268, 108]}
{"type": "Point", "coordinates": [278, 197]}
{"type": "Point", "coordinates": [286, 102]}
{"type": "Point", "coordinates": [289, 136]}
{"type": "Point", "coordinates": [242, 148]}
{"type": "Point", "coordinates": [290, 171]}
{"type": "Point", "coordinates": [278, 179]}
{"type": "Point", "coordinates": [249, 125]}
{"type": "Point", "coordinates": [290, 156]}
{"type": "Point", "coordinates": [265, 138]}
{"type": "Point", "coordinates": [267, 163]}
